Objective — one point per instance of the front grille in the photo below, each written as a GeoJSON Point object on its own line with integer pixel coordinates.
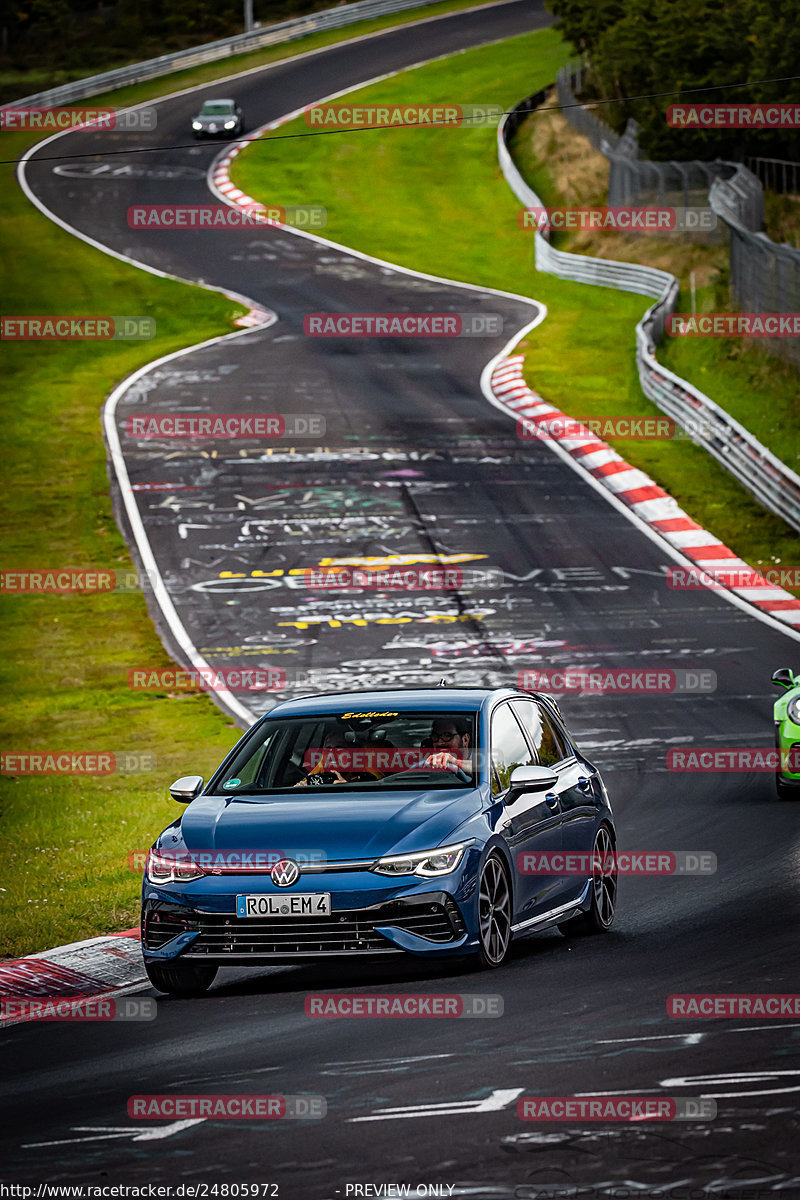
{"type": "Point", "coordinates": [346, 932]}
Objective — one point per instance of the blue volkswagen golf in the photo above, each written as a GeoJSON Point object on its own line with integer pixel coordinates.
{"type": "Point", "coordinates": [441, 822]}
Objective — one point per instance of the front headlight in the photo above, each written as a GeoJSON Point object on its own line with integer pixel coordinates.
{"type": "Point", "coordinates": [197, 124]}
{"type": "Point", "coordinates": [423, 862]}
{"type": "Point", "coordinates": [793, 710]}
{"type": "Point", "coordinates": [177, 867]}
{"type": "Point", "coordinates": [230, 124]}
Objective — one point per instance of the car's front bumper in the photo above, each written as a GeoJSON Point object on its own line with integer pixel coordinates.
{"type": "Point", "coordinates": [430, 917]}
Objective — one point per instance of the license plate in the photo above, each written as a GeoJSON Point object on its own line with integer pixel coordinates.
{"type": "Point", "coordinates": [309, 904]}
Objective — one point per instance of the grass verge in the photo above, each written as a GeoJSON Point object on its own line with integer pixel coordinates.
{"type": "Point", "coordinates": [435, 200]}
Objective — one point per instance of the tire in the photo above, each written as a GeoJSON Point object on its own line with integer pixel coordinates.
{"type": "Point", "coordinates": [181, 978]}
{"type": "Point", "coordinates": [786, 791]}
{"type": "Point", "coordinates": [600, 916]}
{"type": "Point", "coordinates": [495, 912]}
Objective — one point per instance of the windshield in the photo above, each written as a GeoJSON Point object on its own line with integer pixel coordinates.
{"type": "Point", "coordinates": [217, 108]}
{"type": "Point", "coordinates": [355, 750]}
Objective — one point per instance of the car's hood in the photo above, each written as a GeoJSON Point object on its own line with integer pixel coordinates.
{"type": "Point", "coordinates": [215, 120]}
{"type": "Point", "coordinates": [340, 827]}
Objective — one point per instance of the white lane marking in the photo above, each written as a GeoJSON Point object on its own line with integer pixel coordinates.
{"type": "Point", "coordinates": [99, 1133]}
{"type": "Point", "coordinates": [691, 1039]}
{"type": "Point", "coordinates": [736, 1077]}
{"type": "Point", "coordinates": [696, 1036]}
{"type": "Point", "coordinates": [223, 696]}
{"type": "Point", "coordinates": [494, 1102]}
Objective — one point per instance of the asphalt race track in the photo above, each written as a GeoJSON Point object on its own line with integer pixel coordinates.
{"type": "Point", "coordinates": [416, 462]}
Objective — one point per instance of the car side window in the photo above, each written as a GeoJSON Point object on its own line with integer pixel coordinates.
{"type": "Point", "coordinates": [546, 742]}
{"type": "Point", "coordinates": [509, 749]}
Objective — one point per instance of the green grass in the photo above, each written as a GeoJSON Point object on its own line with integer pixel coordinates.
{"type": "Point", "coordinates": [435, 200]}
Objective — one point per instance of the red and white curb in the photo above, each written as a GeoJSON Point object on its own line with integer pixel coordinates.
{"type": "Point", "coordinates": [222, 181]}
{"type": "Point", "coordinates": [101, 966]}
{"type": "Point", "coordinates": [639, 492]}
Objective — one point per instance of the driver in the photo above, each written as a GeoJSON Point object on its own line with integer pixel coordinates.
{"type": "Point", "coordinates": [449, 746]}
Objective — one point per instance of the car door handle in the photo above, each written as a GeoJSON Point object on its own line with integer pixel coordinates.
{"type": "Point", "coordinates": [585, 784]}
{"type": "Point", "coordinates": [551, 800]}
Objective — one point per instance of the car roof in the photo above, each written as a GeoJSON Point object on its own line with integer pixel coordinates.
{"type": "Point", "coordinates": [434, 699]}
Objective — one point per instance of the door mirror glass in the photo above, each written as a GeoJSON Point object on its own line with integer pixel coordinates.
{"type": "Point", "coordinates": [783, 677]}
{"type": "Point", "coordinates": [530, 779]}
{"type": "Point", "coordinates": [186, 788]}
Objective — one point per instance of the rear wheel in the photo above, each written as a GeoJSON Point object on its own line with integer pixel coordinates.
{"type": "Point", "coordinates": [181, 978]}
{"type": "Point", "coordinates": [494, 913]}
{"type": "Point", "coordinates": [600, 915]}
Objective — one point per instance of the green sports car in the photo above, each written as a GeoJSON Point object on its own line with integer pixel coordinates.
{"type": "Point", "coordinates": [787, 734]}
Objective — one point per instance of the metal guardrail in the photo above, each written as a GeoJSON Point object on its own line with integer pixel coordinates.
{"type": "Point", "coordinates": [636, 180]}
{"type": "Point", "coordinates": [240, 43]}
{"type": "Point", "coordinates": [774, 484]}
{"type": "Point", "coordinates": [776, 174]}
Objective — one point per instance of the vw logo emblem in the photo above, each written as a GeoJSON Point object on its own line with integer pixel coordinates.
{"type": "Point", "coordinates": [285, 873]}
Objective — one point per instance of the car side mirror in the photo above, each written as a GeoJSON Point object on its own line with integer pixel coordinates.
{"type": "Point", "coordinates": [783, 677]}
{"type": "Point", "coordinates": [529, 779]}
{"type": "Point", "coordinates": [186, 788]}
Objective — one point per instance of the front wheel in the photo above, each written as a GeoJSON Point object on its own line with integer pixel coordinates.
{"type": "Point", "coordinates": [494, 913]}
{"type": "Point", "coordinates": [181, 978]}
{"type": "Point", "coordinates": [600, 915]}
{"type": "Point", "coordinates": [786, 791]}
